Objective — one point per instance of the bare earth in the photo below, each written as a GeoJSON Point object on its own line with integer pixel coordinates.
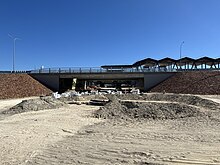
{"type": "Point", "coordinates": [25, 135]}
{"type": "Point", "coordinates": [71, 135]}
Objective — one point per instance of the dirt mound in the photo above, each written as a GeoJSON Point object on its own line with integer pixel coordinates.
{"type": "Point", "coordinates": [111, 110]}
{"type": "Point", "coordinates": [20, 85]}
{"type": "Point", "coordinates": [34, 105]}
{"type": "Point", "coordinates": [194, 82]}
{"type": "Point", "coordinates": [117, 109]}
{"type": "Point", "coordinates": [180, 98]}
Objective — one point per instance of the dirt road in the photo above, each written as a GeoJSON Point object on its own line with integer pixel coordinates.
{"type": "Point", "coordinates": [25, 135]}
{"type": "Point", "coordinates": [162, 142]}
{"type": "Point", "coordinates": [71, 136]}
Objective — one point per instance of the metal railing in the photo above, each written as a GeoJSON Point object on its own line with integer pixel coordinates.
{"type": "Point", "coordinates": [88, 70]}
{"type": "Point", "coordinates": [99, 70]}
{"type": "Point", "coordinates": [15, 72]}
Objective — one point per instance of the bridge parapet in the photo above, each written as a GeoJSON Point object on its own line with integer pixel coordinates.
{"type": "Point", "coordinates": [99, 70]}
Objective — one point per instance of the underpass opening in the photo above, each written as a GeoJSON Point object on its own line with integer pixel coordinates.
{"type": "Point", "coordinates": [82, 85]}
{"type": "Point", "coordinates": [67, 84]}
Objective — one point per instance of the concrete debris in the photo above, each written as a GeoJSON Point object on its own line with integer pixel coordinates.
{"type": "Point", "coordinates": [65, 95]}
{"type": "Point", "coordinates": [56, 95]}
{"type": "Point", "coordinates": [135, 91]}
{"type": "Point", "coordinates": [73, 97]}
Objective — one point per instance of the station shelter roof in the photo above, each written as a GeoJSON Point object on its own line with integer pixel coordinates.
{"type": "Point", "coordinates": [147, 62]}
{"type": "Point", "coordinates": [205, 60]}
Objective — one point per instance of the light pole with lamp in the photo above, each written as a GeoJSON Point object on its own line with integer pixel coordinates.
{"type": "Point", "coordinates": [14, 41]}
{"type": "Point", "coordinates": [181, 45]}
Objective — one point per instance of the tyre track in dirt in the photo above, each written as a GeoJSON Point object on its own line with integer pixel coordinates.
{"type": "Point", "coordinates": [25, 135]}
{"type": "Point", "coordinates": [189, 140]}
{"type": "Point", "coordinates": [159, 142]}
{"type": "Point", "coordinates": [178, 141]}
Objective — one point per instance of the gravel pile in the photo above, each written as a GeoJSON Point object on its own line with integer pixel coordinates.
{"type": "Point", "coordinates": [117, 109]}
{"type": "Point", "coordinates": [194, 82]}
{"type": "Point", "coordinates": [35, 104]}
{"type": "Point", "coordinates": [20, 86]}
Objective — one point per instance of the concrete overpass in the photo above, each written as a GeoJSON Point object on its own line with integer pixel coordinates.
{"type": "Point", "coordinates": [60, 79]}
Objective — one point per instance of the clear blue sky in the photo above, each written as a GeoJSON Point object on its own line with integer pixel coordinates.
{"type": "Point", "coordinates": [87, 33]}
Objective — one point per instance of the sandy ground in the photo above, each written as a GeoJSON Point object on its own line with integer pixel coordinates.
{"type": "Point", "coordinates": [25, 135]}
{"type": "Point", "coordinates": [71, 136]}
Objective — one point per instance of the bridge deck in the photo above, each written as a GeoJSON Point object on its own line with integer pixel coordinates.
{"type": "Point", "coordinates": [121, 70]}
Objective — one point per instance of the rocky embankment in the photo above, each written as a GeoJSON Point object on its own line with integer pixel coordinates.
{"type": "Point", "coordinates": [20, 85]}
{"type": "Point", "coordinates": [194, 82]}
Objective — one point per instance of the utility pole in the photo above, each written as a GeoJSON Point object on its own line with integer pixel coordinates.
{"type": "Point", "coordinates": [13, 57]}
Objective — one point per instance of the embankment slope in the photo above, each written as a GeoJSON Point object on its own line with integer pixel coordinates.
{"type": "Point", "coordinates": [194, 82]}
{"type": "Point", "coordinates": [20, 85]}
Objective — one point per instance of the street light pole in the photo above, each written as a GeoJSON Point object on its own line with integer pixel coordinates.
{"type": "Point", "coordinates": [181, 45]}
{"type": "Point", "coordinates": [13, 58]}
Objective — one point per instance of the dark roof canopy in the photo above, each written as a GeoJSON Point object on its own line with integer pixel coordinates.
{"type": "Point", "coordinates": [186, 59]}
{"type": "Point", "coordinates": [217, 60]}
{"type": "Point", "coordinates": [205, 59]}
{"type": "Point", "coordinates": [145, 61]}
{"type": "Point", "coordinates": [165, 61]}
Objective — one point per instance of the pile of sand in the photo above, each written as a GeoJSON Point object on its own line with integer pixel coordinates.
{"type": "Point", "coordinates": [35, 105]}
{"type": "Point", "coordinates": [117, 109]}
{"type": "Point", "coordinates": [156, 106]}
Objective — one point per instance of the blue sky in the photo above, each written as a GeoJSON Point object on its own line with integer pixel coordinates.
{"type": "Point", "coordinates": [90, 33]}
